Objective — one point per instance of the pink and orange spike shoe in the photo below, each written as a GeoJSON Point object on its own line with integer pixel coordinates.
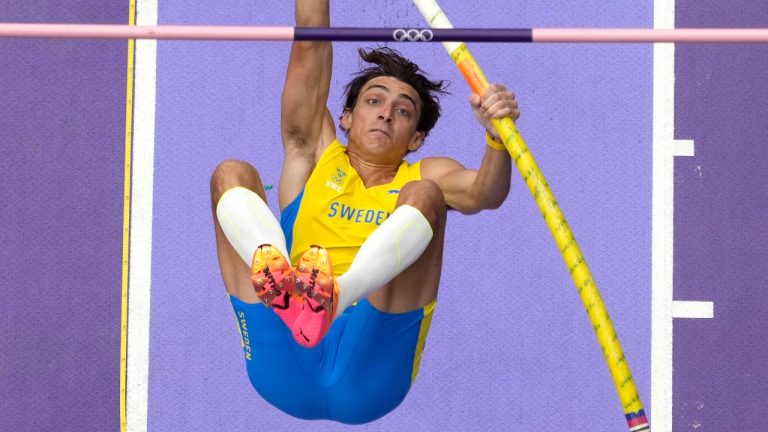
{"type": "Point", "coordinates": [314, 280]}
{"type": "Point", "coordinates": [274, 281]}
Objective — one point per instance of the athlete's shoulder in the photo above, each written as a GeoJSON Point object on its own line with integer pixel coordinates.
{"type": "Point", "coordinates": [433, 168]}
{"type": "Point", "coordinates": [333, 148]}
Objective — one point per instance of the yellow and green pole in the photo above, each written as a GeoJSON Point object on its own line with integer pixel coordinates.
{"type": "Point", "coordinates": [555, 219]}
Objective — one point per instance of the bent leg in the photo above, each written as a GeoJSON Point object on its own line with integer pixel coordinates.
{"type": "Point", "coordinates": [398, 266]}
{"type": "Point", "coordinates": [251, 233]}
{"type": "Point", "coordinates": [417, 285]}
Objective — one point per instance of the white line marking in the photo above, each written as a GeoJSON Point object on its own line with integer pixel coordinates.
{"type": "Point", "coordinates": [662, 217]}
{"type": "Point", "coordinates": [693, 309]}
{"type": "Point", "coordinates": [140, 275]}
{"type": "Point", "coordinates": [683, 148]}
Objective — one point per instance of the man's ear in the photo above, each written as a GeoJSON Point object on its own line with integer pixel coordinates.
{"type": "Point", "coordinates": [416, 141]}
{"type": "Point", "coordinates": [346, 119]}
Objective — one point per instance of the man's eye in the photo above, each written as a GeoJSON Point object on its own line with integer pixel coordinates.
{"type": "Point", "coordinates": [404, 112]}
{"type": "Point", "coordinates": [373, 101]}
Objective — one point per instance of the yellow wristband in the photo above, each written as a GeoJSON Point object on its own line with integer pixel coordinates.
{"type": "Point", "coordinates": [493, 143]}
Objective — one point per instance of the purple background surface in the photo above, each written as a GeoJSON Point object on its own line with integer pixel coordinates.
{"type": "Point", "coordinates": [62, 128]}
{"type": "Point", "coordinates": [527, 362]}
{"type": "Point", "coordinates": [721, 236]}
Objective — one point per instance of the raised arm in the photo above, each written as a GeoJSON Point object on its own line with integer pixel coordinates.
{"type": "Point", "coordinates": [468, 190]}
{"type": "Point", "coordinates": [306, 125]}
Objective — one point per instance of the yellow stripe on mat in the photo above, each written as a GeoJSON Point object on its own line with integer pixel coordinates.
{"type": "Point", "coordinates": [126, 222]}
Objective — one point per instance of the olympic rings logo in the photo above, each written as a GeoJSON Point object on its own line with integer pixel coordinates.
{"type": "Point", "coordinates": [412, 35]}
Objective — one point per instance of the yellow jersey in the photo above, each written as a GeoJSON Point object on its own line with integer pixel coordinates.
{"type": "Point", "coordinates": [336, 211]}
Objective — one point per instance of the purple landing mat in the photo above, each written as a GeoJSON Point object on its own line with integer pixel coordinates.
{"type": "Point", "coordinates": [527, 358]}
{"type": "Point", "coordinates": [62, 126]}
{"type": "Point", "coordinates": [721, 239]}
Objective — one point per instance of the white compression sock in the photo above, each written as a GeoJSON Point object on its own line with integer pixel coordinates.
{"type": "Point", "coordinates": [394, 246]}
{"type": "Point", "coordinates": [248, 223]}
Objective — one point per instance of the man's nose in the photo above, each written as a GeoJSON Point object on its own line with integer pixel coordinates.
{"type": "Point", "coordinates": [386, 115]}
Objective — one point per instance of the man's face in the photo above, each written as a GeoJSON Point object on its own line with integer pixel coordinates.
{"type": "Point", "coordinates": [385, 117]}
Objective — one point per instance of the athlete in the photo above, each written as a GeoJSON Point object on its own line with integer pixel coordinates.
{"type": "Point", "coordinates": [334, 302]}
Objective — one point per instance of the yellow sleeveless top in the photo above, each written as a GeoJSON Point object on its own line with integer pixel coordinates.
{"type": "Point", "coordinates": [336, 211]}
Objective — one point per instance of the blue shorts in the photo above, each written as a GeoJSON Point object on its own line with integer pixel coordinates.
{"type": "Point", "coordinates": [360, 371]}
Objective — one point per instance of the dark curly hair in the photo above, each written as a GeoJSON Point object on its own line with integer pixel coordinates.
{"type": "Point", "coordinates": [389, 62]}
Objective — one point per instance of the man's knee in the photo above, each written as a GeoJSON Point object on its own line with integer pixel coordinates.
{"type": "Point", "coordinates": [232, 173]}
{"type": "Point", "coordinates": [427, 197]}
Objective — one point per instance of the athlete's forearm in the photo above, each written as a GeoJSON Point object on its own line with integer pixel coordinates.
{"type": "Point", "coordinates": [313, 13]}
{"type": "Point", "coordinates": [491, 186]}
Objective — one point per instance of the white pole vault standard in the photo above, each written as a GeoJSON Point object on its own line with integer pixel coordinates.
{"type": "Point", "coordinates": [382, 34]}
{"type": "Point", "coordinates": [555, 219]}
